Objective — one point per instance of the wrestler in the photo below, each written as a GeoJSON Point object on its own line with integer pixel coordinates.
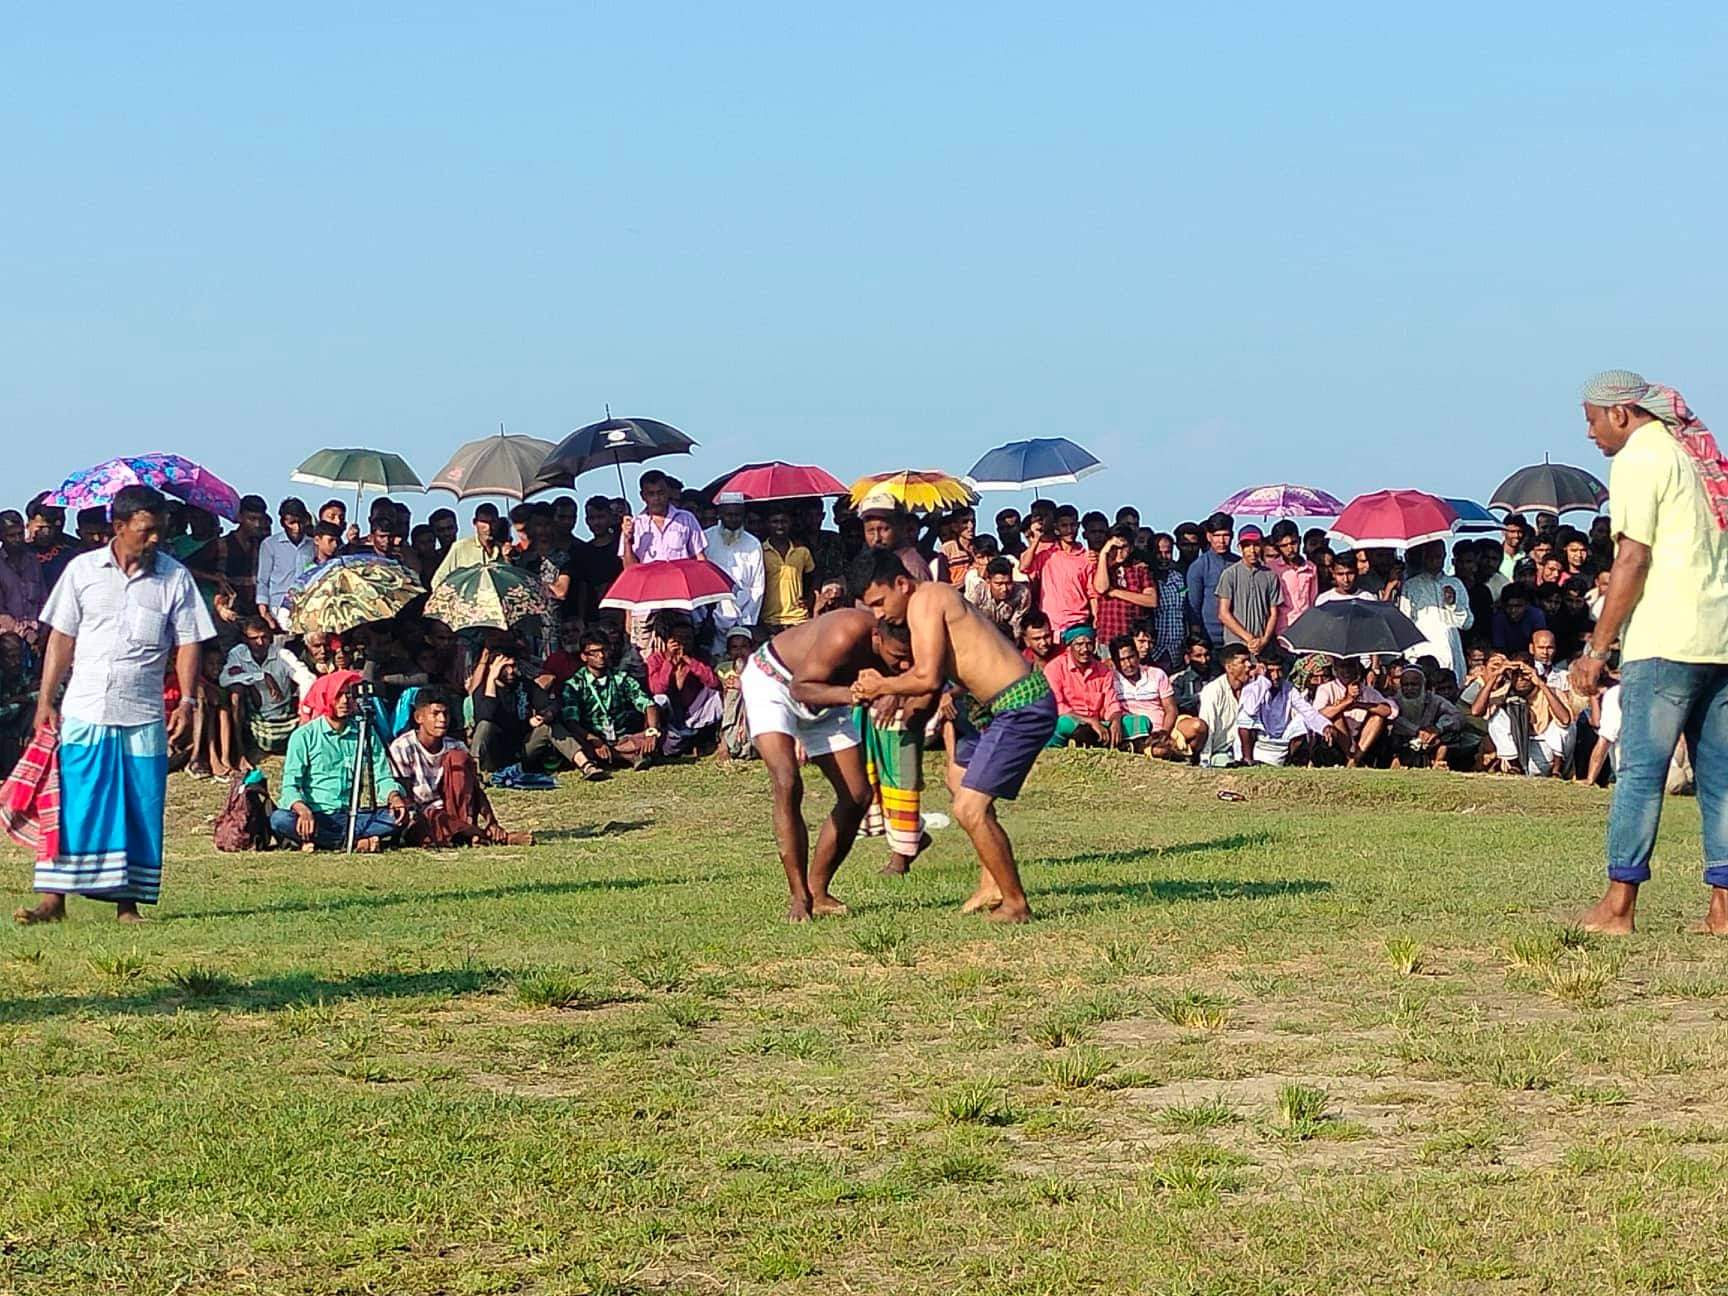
{"type": "Point", "coordinates": [797, 692]}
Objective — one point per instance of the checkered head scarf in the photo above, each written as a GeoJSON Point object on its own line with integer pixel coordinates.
{"type": "Point", "coordinates": [1623, 387]}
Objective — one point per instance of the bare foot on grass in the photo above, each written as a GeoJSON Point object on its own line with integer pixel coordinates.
{"type": "Point", "coordinates": [828, 907]}
{"type": "Point", "coordinates": [983, 898]}
{"type": "Point", "coordinates": [42, 913]}
{"type": "Point", "coordinates": [1009, 913]}
{"type": "Point", "coordinates": [798, 911]}
{"type": "Point", "coordinates": [1612, 914]}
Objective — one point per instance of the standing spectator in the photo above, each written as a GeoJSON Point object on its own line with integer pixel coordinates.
{"type": "Point", "coordinates": [282, 559]}
{"type": "Point", "coordinates": [232, 560]}
{"type": "Point", "coordinates": [1438, 604]}
{"type": "Point", "coordinates": [263, 686]}
{"type": "Point", "coordinates": [1516, 620]}
{"type": "Point", "coordinates": [1515, 537]}
{"type": "Point", "coordinates": [549, 566]}
{"type": "Point", "coordinates": [1667, 607]}
{"type": "Point", "coordinates": [21, 585]}
{"type": "Point", "coordinates": [787, 567]}
{"type": "Point", "coordinates": [1089, 714]}
{"type": "Point", "coordinates": [1169, 620]}
{"type": "Point", "coordinates": [1008, 533]}
{"type": "Point", "coordinates": [1122, 585]}
{"type": "Point", "coordinates": [1249, 593]}
{"type": "Point", "coordinates": [45, 529]}
{"type": "Point", "coordinates": [739, 554]}
{"type": "Point", "coordinates": [1345, 572]}
{"type": "Point", "coordinates": [1297, 576]}
{"type": "Point", "coordinates": [1063, 570]}
{"type": "Point", "coordinates": [485, 547]}
{"type": "Point", "coordinates": [958, 551]}
{"type": "Point", "coordinates": [1203, 575]}
{"type": "Point", "coordinates": [1189, 542]}
{"type": "Point", "coordinates": [594, 563]}
{"type": "Point", "coordinates": [661, 532]}
{"type": "Point", "coordinates": [115, 618]}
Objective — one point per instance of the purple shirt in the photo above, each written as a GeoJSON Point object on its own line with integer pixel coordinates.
{"type": "Point", "coordinates": [681, 536]}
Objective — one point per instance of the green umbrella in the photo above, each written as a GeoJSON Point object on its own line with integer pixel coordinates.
{"type": "Point", "coordinates": [495, 465]}
{"type": "Point", "coordinates": [358, 470]}
{"type": "Point", "coordinates": [492, 595]}
{"type": "Point", "coordinates": [350, 591]}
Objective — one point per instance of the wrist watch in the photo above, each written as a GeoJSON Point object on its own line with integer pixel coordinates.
{"type": "Point", "coordinates": [1601, 655]}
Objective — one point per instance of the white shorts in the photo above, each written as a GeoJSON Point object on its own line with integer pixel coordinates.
{"type": "Point", "coordinates": [769, 708]}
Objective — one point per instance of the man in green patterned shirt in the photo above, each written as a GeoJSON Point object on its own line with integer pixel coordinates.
{"type": "Point", "coordinates": [608, 711]}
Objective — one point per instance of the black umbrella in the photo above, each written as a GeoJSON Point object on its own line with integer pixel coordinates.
{"type": "Point", "coordinates": [1353, 628]}
{"type": "Point", "coordinates": [614, 441]}
{"type": "Point", "coordinates": [1550, 488]}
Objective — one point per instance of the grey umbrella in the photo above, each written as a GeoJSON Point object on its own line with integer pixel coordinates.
{"type": "Point", "coordinates": [1550, 488]}
{"type": "Point", "coordinates": [496, 465]}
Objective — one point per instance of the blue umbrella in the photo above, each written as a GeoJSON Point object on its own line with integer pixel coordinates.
{"type": "Point", "coordinates": [1473, 519]}
{"type": "Point", "coordinates": [1028, 465]}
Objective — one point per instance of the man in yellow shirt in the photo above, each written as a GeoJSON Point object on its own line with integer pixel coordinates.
{"type": "Point", "coordinates": [787, 565]}
{"type": "Point", "coordinates": [1667, 605]}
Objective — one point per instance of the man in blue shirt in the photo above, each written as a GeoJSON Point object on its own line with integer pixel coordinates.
{"type": "Point", "coordinates": [282, 558]}
{"type": "Point", "coordinates": [1203, 574]}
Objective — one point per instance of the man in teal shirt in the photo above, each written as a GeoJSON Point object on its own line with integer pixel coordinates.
{"type": "Point", "coordinates": [318, 780]}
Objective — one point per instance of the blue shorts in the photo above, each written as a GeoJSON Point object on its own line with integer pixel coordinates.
{"type": "Point", "coordinates": [998, 759]}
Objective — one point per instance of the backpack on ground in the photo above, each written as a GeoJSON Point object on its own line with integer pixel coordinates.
{"type": "Point", "coordinates": [244, 824]}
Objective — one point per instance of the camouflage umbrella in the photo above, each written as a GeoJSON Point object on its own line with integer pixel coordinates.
{"type": "Point", "coordinates": [346, 592]}
{"type": "Point", "coordinates": [491, 595]}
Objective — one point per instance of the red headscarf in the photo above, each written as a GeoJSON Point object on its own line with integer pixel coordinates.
{"type": "Point", "coordinates": [324, 692]}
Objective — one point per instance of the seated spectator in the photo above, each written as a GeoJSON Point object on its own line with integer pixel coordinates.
{"type": "Point", "coordinates": [1037, 641]}
{"type": "Point", "coordinates": [263, 685]}
{"type": "Point", "coordinates": [1198, 670]}
{"type": "Point", "coordinates": [1528, 722]}
{"type": "Point", "coordinates": [1357, 713]}
{"type": "Point", "coordinates": [318, 776]}
{"type": "Point", "coordinates": [608, 712]}
{"type": "Point", "coordinates": [443, 783]}
{"type": "Point", "coordinates": [1275, 722]}
{"type": "Point", "coordinates": [1426, 723]}
{"type": "Point", "coordinates": [688, 693]}
{"type": "Point", "coordinates": [1516, 620]}
{"type": "Point", "coordinates": [18, 693]}
{"type": "Point", "coordinates": [1089, 712]}
{"type": "Point", "coordinates": [735, 742]}
{"type": "Point", "coordinates": [1000, 597]}
{"type": "Point", "coordinates": [508, 710]}
{"type": "Point", "coordinates": [1211, 738]}
{"type": "Point", "coordinates": [1143, 690]}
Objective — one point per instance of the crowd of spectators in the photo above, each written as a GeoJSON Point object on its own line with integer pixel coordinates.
{"type": "Point", "coordinates": [1162, 643]}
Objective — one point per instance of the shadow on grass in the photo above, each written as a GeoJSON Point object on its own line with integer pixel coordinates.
{"type": "Point", "coordinates": [1151, 854]}
{"type": "Point", "coordinates": [611, 828]}
{"type": "Point", "coordinates": [374, 900]}
{"type": "Point", "coordinates": [267, 994]}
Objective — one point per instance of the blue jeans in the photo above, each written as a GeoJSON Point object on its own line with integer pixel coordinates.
{"type": "Point", "coordinates": [330, 831]}
{"type": "Point", "coordinates": [1661, 701]}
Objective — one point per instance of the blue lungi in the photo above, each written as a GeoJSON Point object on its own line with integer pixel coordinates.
{"type": "Point", "coordinates": [113, 783]}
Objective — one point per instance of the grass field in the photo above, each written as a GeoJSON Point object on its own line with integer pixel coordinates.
{"type": "Point", "coordinates": [1333, 1039]}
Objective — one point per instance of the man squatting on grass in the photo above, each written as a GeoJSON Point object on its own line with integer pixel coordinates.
{"type": "Point", "coordinates": [1667, 604]}
{"type": "Point", "coordinates": [1006, 719]}
{"type": "Point", "coordinates": [797, 692]}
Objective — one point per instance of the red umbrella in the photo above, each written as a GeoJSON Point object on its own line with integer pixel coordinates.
{"type": "Point", "coordinates": [685, 583]}
{"type": "Point", "coordinates": [778, 481]}
{"type": "Point", "coordinates": [1394, 519]}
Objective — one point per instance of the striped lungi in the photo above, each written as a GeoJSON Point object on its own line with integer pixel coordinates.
{"type": "Point", "coordinates": [894, 761]}
{"type": "Point", "coordinates": [113, 782]}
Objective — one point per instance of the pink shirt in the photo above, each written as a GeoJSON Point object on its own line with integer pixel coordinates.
{"type": "Point", "coordinates": [1301, 585]}
{"type": "Point", "coordinates": [1088, 693]}
{"type": "Point", "coordinates": [1150, 696]}
{"type": "Point", "coordinates": [1357, 716]}
{"type": "Point", "coordinates": [1064, 579]}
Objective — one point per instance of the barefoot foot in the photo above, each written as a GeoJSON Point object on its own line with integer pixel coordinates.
{"type": "Point", "coordinates": [129, 917]}
{"type": "Point", "coordinates": [827, 907]}
{"type": "Point", "coordinates": [42, 913]}
{"type": "Point", "coordinates": [982, 898]}
{"type": "Point", "coordinates": [798, 911]}
{"type": "Point", "coordinates": [896, 866]}
{"type": "Point", "coordinates": [1606, 919]}
{"type": "Point", "coordinates": [1003, 913]}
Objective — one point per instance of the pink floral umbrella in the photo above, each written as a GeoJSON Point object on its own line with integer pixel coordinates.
{"type": "Point", "coordinates": [1283, 499]}
{"type": "Point", "coordinates": [96, 487]}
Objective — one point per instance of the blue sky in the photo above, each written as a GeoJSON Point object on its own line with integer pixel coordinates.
{"type": "Point", "coordinates": [1362, 248]}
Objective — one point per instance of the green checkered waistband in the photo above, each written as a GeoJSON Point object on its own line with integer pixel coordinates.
{"type": "Point", "coordinates": [1026, 690]}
